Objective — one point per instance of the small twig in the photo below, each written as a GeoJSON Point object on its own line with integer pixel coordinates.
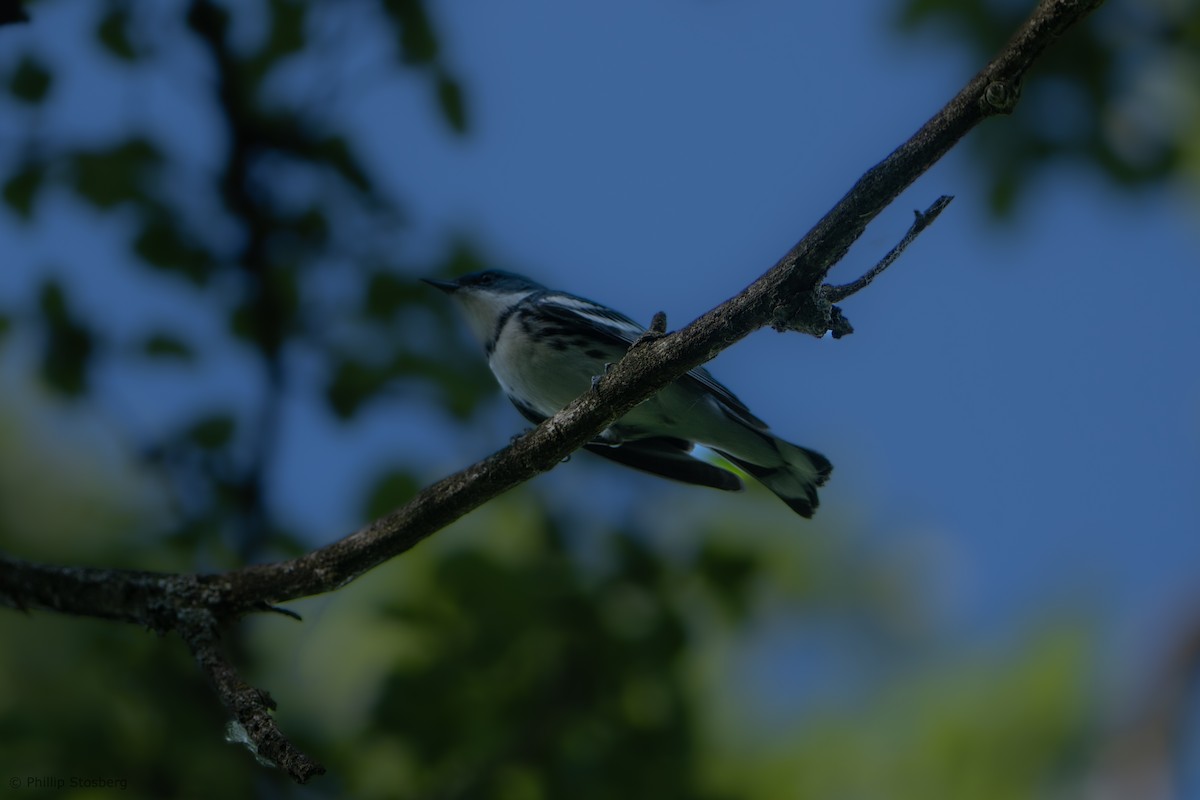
{"type": "Point", "coordinates": [836, 294]}
{"type": "Point", "coordinates": [287, 612]}
{"type": "Point", "coordinates": [657, 330]}
{"type": "Point", "coordinates": [250, 707]}
{"type": "Point", "coordinates": [839, 326]}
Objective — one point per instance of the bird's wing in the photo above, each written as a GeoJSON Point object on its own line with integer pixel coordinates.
{"type": "Point", "coordinates": [727, 398]}
{"type": "Point", "coordinates": [668, 458]}
{"type": "Point", "coordinates": [662, 456]}
{"type": "Point", "coordinates": [620, 330]}
{"type": "Point", "coordinates": [613, 326]}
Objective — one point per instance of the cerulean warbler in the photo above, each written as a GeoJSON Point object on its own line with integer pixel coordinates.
{"type": "Point", "coordinates": [546, 347]}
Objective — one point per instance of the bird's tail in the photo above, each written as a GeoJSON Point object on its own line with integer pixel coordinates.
{"type": "Point", "coordinates": [795, 479]}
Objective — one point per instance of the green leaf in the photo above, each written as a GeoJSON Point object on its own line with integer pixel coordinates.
{"type": "Point", "coordinates": [106, 178]}
{"type": "Point", "coordinates": [21, 188]}
{"type": "Point", "coordinates": [386, 294]}
{"type": "Point", "coordinates": [68, 347]}
{"type": "Point", "coordinates": [243, 322]}
{"type": "Point", "coordinates": [166, 345]}
{"type": "Point", "coordinates": [283, 285]}
{"type": "Point", "coordinates": [450, 100]}
{"type": "Point", "coordinates": [352, 385]}
{"type": "Point", "coordinates": [463, 258]}
{"type": "Point", "coordinates": [391, 491]}
{"type": "Point", "coordinates": [463, 382]}
{"type": "Point", "coordinates": [287, 28]}
{"type": "Point", "coordinates": [213, 432]}
{"type": "Point", "coordinates": [337, 153]}
{"type": "Point", "coordinates": [113, 34]}
{"type": "Point", "coordinates": [312, 225]}
{"type": "Point", "coordinates": [285, 37]}
{"type": "Point", "coordinates": [1006, 186]}
{"type": "Point", "coordinates": [161, 244]}
{"type": "Point", "coordinates": [31, 81]}
{"type": "Point", "coordinates": [730, 573]}
{"type": "Point", "coordinates": [265, 320]}
{"type": "Point", "coordinates": [52, 301]}
{"type": "Point", "coordinates": [418, 44]}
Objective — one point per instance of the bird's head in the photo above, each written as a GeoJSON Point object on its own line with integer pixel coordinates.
{"type": "Point", "coordinates": [485, 296]}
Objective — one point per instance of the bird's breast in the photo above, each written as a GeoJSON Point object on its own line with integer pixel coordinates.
{"type": "Point", "coordinates": [546, 369]}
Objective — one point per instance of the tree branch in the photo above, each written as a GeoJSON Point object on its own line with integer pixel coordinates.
{"type": "Point", "coordinates": [835, 294]}
{"type": "Point", "coordinates": [787, 297]}
{"type": "Point", "coordinates": [251, 708]}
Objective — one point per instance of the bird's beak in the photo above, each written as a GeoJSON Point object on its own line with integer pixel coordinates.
{"type": "Point", "coordinates": [449, 287]}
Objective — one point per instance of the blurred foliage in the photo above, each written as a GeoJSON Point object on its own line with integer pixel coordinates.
{"type": "Point", "coordinates": [503, 661]}
{"type": "Point", "coordinates": [554, 690]}
{"type": "Point", "coordinates": [1120, 94]}
{"type": "Point", "coordinates": [253, 252]}
{"type": "Point", "coordinates": [1012, 725]}
{"type": "Point", "coordinates": [68, 343]}
{"type": "Point", "coordinates": [509, 660]}
{"type": "Point", "coordinates": [12, 12]}
{"type": "Point", "coordinates": [30, 81]}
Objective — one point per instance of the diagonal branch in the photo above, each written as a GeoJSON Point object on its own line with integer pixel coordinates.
{"type": "Point", "coordinates": [786, 297]}
{"type": "Point", "coordinates": [251, 708]}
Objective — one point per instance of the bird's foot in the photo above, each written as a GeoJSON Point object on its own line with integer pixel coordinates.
{"type": "Point", "coordinates": [597, 378]}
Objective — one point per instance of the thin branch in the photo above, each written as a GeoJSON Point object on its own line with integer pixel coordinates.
{"type": "Point", "coordinates": [836, 294]}
{"type": "Point", "coordinates": [657, 330]}
{"type": "Point", "coordinates": [251, 708]}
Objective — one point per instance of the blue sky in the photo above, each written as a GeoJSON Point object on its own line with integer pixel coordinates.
{"type": "Point", "coordinates": [1021, 398]}
{"type": "Point", "coordinates": [1023, 393]}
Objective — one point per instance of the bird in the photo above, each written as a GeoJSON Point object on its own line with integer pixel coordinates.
{"type": "Point", "coordinates": [546, 348]}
